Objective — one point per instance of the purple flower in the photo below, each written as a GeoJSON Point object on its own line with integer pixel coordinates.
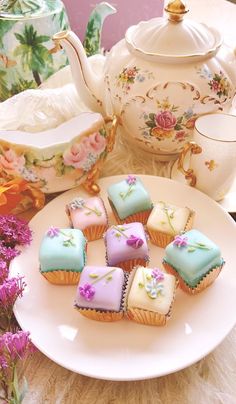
{"type": "Point", "coordinates": [53, 232]}
{"type": "Point", "coordinates": [180, 241]}
{"type": "Point", "coordinates": [10, 290]}
{"type": "Point", "coordinates": [87, 291]}
{"type": "Point", "coordinates": [14, 231]}
{"type": "Point", "coordinates": [7, 253]}
{"type": "Point", "coordinates": [157, 274]}
{"type": "Point", "coordinates": [134, 241]}
{"type": "Point", "coordinates": [77, 203]}
{"type": "Point", "coordinates": [3, 271]}
{"type": "Point", "coordinates": [14, 346]}
{"type": "Point", "coordinates": [131, 180]}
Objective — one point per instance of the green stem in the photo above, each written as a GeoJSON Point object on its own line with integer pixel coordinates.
{"type": "Point", "coordinates": [121, 232]}
{"type": "Point", "coordinates": [168, 216]}
{"type": "Point", "coordinates": [123, 196]}
{"type": "Point", "coordinates": [96, 211]}
{"type": "Point", "coordinates": [199, 246]}
{"type": "Point", "coordinates": [103, 276]}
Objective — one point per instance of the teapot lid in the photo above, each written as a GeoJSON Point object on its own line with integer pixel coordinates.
{"type": "Point", "coordinates": [174, 38]}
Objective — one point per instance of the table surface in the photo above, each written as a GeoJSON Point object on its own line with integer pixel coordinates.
{"type": "Point", "coordinates": [211, 380]}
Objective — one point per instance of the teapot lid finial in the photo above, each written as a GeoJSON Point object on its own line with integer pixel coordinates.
{"type": "Point", "coordinates": [176, 10]}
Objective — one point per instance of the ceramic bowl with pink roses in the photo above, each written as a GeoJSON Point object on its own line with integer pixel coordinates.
{"type": "Point", "coordinates": [57, 159]}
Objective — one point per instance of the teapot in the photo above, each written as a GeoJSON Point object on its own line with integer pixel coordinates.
{"type": "Point", "coordinates": [158, 80]}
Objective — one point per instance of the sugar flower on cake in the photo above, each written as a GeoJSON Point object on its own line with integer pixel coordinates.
{"type": "Point", "coordinates": [87, 291]}
{"type": "Point", "coordinates": [10, 161]}
{"type": "Point", "coordinates": [134, 241]}
{"type": "Point", "coordinates": [53, 232]}
{"type": "Point", "coordinates": [181, 241]}
{"type": "Point", "coordinates": [131, 181]}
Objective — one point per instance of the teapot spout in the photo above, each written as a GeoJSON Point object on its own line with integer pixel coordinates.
{"type": "Point", "coordinates": [87, 82]}
{"type": "Point", "coordinates": [92, 41]}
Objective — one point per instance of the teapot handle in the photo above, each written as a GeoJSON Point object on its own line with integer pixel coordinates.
{"type": "Point", "coordinates": [189, 173]}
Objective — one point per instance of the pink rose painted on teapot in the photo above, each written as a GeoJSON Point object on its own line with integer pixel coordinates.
{"type": "Point", "coordinates": [165, 120]}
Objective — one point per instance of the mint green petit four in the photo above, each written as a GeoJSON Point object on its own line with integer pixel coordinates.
{"type": "Point", "coordinates": [129, 197]}
{"type": "Point", "coordinates": [62, 249]}
{"type": "Point", "coordinates": [193, 255]}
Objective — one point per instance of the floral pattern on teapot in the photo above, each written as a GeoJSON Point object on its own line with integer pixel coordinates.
{"type": "Point", "coordinates": [166, 123]}
{"type": "Point", "coordinates": [74, 162]}
{"type": "Point", "coordinates": [129, 75]}
{"type": "Point", "coordinates": [218, 82]}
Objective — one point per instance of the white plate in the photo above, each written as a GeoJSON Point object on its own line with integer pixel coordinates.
{"type": "Point", "coordinates": [124, 350]}
{"type": "Point", "coordinates": [229, 201]}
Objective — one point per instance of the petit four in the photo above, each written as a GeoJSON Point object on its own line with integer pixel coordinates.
{"type": "Point", "coordinates": [194, 259]}
{"type": "Point", "coordinates": [88, 215]}
{"type": "Point", "coordinates": [126, 246]}
{"type": "Point", "coordinates": [166, 221]}
{"type": "Point", "coordinates": [62, 255]}
{"type": "Point", "coordinates": [149, 297]}
{"type": "Point", "coordinates": [99, 294]}
{"type": "Point", "coordinates": [130, 200]}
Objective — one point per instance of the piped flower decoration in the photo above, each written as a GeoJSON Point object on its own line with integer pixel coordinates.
{"type": "Point", "coordinates": [134, 241]}
{"type": "Point", "coordinates": [79, 203]}
{"type": "Point", "coordinates": [181, 241]}
{"type": "Point", "coordinates": [131, 181]}
{"type": "Point", "coordinates": [87, 291]}
{"type": "Point", "coordinates": [153, 283]}
{"type": "Point", "coordinates": [154, 289]}
{"type": "Point", "coordinates": [53, 232]}
{"type": "Point", "coordinates": [157, 274]}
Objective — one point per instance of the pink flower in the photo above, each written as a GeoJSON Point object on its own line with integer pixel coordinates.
{"type": "Point", "coordinates": [10, 161]}
{"type": "Point", "coordinates": [165, 120]}
{"type": "Point", "coordinates": [96, 143]}
{"type": "Point", "coordinates": [3, 271]}
{"type": "Point", "coordinates": [76, 155]}
{"type": "Point", "coordinates": [180, 135]}
{"type": "Point", "coordinates": [157, 274]}
{"type": "Point", "coordinates": [15, 346]}
{"type": "Point", "coordinates": [87, 291]}
{"type": "Point", "coordinates": [7, 253]}
{"type": "Point", "coordinates": [53, 232]}
{"type": "Point", "coordinates": [180, 241]}
{"type": "Point", "coordinates": [14, 231]}
{"type": "Point", "coordinates": [134, 241]}
{"type": "Point", "coordinates": [131, 180]}
{"type": "Point", "coordinates": [10, 290]}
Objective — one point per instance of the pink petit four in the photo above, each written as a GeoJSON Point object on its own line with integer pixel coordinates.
{"type": "Point", "coordinates": [88, 215]}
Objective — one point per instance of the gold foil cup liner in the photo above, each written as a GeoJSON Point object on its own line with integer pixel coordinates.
{"type": "Point", "coordinates": [107, 316]}
{"type": "Point", "coordinates": [65, 277]}
{"type": "Point", "coordinates": [206, 281]}
{"type": "Point", "coordinates": [190, 221]}
{"type": "Point", "coordinates": [94, 232]}
{"type": "Point", "coordinates": [141, 217]}
{"type": "Point", "coordinates": [130, 264]}
{"type": "Point", "coordinates": [142, 316]}
{"type": "Point", "coordinates": [162, 239]}
{"type": "Point", "coordinates": [146, 317]}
